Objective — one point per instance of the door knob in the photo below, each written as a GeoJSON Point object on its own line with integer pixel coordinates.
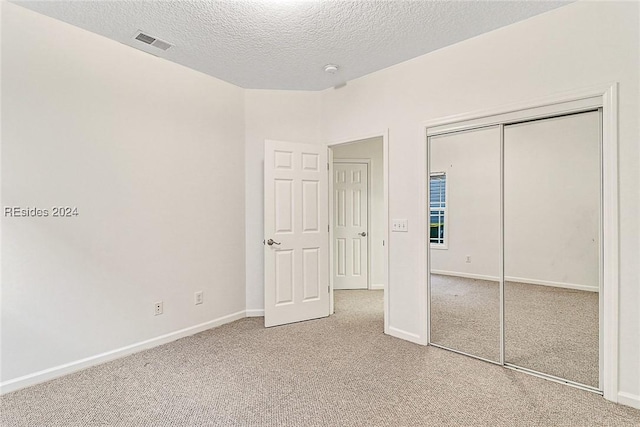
{"type": "Point", "coordinates": [272, 242]}
{"type": "Point", "coordinates": [363, 234]}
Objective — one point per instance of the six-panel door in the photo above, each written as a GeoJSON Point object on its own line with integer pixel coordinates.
{"type": "Point", "coordinates": [350, 205]}
{"type": "Point", "coordinates": [296, 220]}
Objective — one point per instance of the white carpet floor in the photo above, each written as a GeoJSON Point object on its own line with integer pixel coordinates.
{"type": "Point", "coordinates": [547, 329]}
{"type": "Point", "coordinates": [338, 371]}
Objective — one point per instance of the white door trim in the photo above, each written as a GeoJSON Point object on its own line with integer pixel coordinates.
{"type": "Point", "coordinates": [331, 242]}
{"type": "Point", "coordinates": [603, 96]}
{"type": "Point", "coordinates": [384, 134]}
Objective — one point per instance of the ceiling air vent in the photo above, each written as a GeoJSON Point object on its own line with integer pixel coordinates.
{"type": "Point", "coordinates": [145, 38]}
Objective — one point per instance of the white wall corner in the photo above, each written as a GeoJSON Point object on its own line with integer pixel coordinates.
{"type": "Point", "coordinates": [259, 312]}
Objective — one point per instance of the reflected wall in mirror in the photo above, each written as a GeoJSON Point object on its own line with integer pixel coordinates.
{"type": "Point", "coordinates": [464, 216]}
{"type": "Point", "coordinates": [552, 246]}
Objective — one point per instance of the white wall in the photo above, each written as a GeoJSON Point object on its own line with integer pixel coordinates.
{"type": "Point", "coordinates": [152, 155]}
{"type": "Point", "coordinates": [278, 115]}
{"type": "Point", "coordinates": [371, 149]}
{"type": "Point", "coordinates": [576, 46]}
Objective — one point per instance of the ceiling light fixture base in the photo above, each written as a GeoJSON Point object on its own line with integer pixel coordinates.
{"type": "Point", "coordinates": [331, 68]}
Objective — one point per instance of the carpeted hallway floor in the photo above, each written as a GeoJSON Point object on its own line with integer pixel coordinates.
{"type": "Point", "coordinates": [339, 371]}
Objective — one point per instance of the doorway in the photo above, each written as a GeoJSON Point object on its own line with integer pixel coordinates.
{"type": "Point", "coordinates": [299, 227]}
{"type": "Point", "coordinates": [359, 215]}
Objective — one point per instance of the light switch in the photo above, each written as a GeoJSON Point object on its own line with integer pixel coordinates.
{"type": "Point", "coordinates": [399, 225]}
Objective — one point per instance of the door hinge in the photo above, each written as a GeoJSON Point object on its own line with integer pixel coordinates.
{"type": "Point", "coordinates": [329, 288]}
{"type": "Point", "coordinates": [328, 229]}
{"type": "Point", "coordinates": [327, 166]}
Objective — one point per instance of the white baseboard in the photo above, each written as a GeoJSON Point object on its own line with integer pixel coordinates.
{"type": "Point", "coordinates": [259, 312]}
{"type": "Point", "coordinates": [78, 365]}
{"type": "Point", "coordinates": [629, 399]}
{"type": "Point", "coordinates": [404, 335]}
{"type": "Point", "coordinates": [517, 279]}
{"type": "Point", "coordinates": [466, 275]}
{"type": "Point", "coordinates": [376, 286]}
{"type": "Point", "coordinates": [554, 284]}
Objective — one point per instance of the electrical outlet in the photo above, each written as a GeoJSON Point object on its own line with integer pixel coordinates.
{"type": "Point", "coordinates": [158, 308]}
{"type": "Point", "coordinates": [400, 225]}
{"type": "Point", "coordinates": [199, 297]}
{"type": "Point", "coordinates": [468, 259]}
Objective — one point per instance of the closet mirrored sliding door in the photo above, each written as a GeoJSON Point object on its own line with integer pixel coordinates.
{"type": "Point", "coordinates": [464, 234]}
{"type": "Point", "coordinates": [552, 251]}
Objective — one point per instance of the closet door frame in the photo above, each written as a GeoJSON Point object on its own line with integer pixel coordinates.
{"type": "Point", "coordinates": [604, 98]}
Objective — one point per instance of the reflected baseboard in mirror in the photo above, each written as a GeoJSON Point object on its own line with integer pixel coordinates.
{"type": "Point", "coordinates": [553, 330]}
{"type": "Point", "coordinates": [465, 315]}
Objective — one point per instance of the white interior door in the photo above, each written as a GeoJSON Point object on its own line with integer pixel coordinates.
{"type": "Point", "coordinates": [350, 192]}
{"type": "Point", "coordinates": [296, 226]}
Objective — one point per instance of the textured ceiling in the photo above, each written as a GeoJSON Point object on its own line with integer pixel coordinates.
{"type": "Point", "coordinates": [285, 44]}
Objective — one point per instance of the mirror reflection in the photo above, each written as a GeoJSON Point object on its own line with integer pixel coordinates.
{"type": "Point", "coordinates": [464, 230]}
{"type": "Point", "coordinates": [552, 246]}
